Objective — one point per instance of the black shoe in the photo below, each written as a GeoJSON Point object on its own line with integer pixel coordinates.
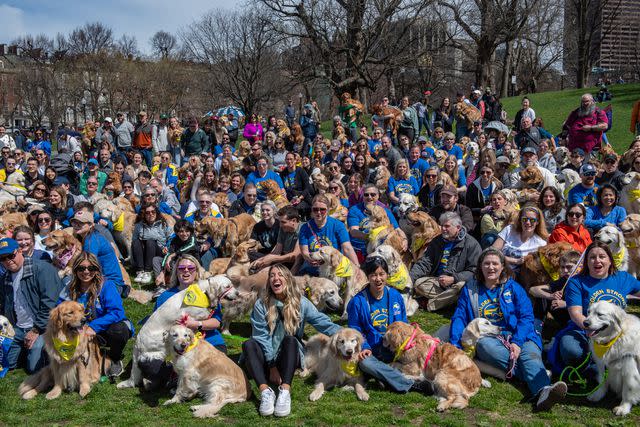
{"type": "Point", "coordinates": [115, 370]}
{"type": "Point", "coordinates": [422, 386]}
{"type": "Point", "coordinates": [550, 395]}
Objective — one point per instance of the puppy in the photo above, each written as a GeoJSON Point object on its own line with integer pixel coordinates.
{"type": "Point", "coordinates": [6, 330]}
{"type": "Point", "coordinates": [454, 375]}
{"type": "Point", "coordinates": [425, 229]}
{"type": "Point", "coordinates": [6, 340]}
{"type": "Point", "coordinates": [334, 360]}
{"type": "Point", "coordinates": [631, 230]}
{"type": "Point", "coordinates": [238, 265]}
{"type": "Point", "coordinates": [274, 193]}
{"type": "Point", "coordinates": [398, 276]}
{"type": "Point", "coordinates": [615, 346]}
{"type": "Point", "coordinates": [65, 248]}
{"type": "Point", "coordinates": [203, 370]}
{"type": "Point", "coordinates": [74, 359]}
{"type": "Point", "coordinates": [612, 237]}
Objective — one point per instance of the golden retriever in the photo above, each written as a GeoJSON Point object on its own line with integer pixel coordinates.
{"type": "Point", "coordinates": [630, 228]}
{"type": "Point", "coordinates": [468, 113]}
{"type": "Point", "coordinates": [11, 220]}
{"type": "Point", "coordinates": [274, 193]}
{"type": "Point", "coordinates": [394, 116]}
{"type": "Point", "coordinates": [336, 209]}
{"type": "Point", "coordinates": [534, 273]}
{"type": "Point", "coordinates": [75, 361]}
{"type": "Point", "coordinates": [65, 248]}
{"type": "Point", "coordinates": [203, 370]}
{"type": "Point", "coordinates": [237, 265]}
{"type": "Point", "coordinates": [630, 194]}
{"type": "Point", "coordinates": [223, 203]}
{"type": "Point", "coordinates": [320, 183]}
{"type": "Point", "coordinates": [232, 231]}
{"type": "Point", "coordinates": [425, 229]}
{"type": "Point", "coordinates": [380, 229]}
{"type": "Point", "coordinates": [399, 277]}
{"type": "Point", "coordinates": [454, 375]}
{"type": "Point", "coordinates": [334, 360]}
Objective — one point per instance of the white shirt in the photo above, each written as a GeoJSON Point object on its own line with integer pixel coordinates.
{"type": "Point", "coordinates": [7, 141]}
{"type": "Point", "coordinates": [24, 317]}
{"type": "Point", "coordinates": [514, 247]}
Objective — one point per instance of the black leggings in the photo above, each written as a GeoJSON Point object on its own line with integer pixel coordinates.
{"type": "Point", "coordinates": [115, 337]}
{"type": "Point", "coordinates": [287, 362]}
{"type": "Point", "coordinates": [143, 252]}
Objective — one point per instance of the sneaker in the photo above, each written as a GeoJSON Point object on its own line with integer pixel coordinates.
{"type": "Point", "coordinates": [147, 278]}
{"type": "Point", "coordinates": [115, 369]}
{"type": "Point", "coordinates": [139, 276]}
{"type": "Point", "coordinates": [267, 402]}
{"type": "Point", "coordinates": [550, 395]}
{"type": "Point", "coordinates": [159, 291]}
{"type": "Point", "coordinates": [283, 404]}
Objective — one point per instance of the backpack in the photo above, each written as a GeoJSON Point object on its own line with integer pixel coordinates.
{"type": "Point", "coordinates": [62, 163]}
{"type": "Point", "coordinates": [608, 110]}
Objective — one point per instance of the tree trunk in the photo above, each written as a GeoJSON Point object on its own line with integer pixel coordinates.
{"type": "Point", "coordinates": [506, 71]}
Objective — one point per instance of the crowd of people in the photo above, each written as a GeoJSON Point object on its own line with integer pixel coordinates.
{"type": "Point", "coordinates": [497, 188]}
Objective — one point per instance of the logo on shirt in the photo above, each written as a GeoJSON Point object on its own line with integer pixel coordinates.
{"type": "Point", "coordinates": [609, 295]}
{"type": "Point", "coordinates": [490, 310]}
{"type": "Point", "coordinates": [396, 309]}
{"type": "Point", "coordinates": [318, 242]}
{"type": "Point", "coordinates": [380, 319]}
{"type": "Point", "coordinates": [404, 188]}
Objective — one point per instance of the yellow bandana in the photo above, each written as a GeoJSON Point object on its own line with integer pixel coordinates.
{"type": "Point", "coordinates": [119, 224]}
{"type": "Point", "coordinates": [631, 245]}
{"type": "Point", "coordinates": [469, 350]}
{"type": "Point", "coordinates": [195, 297]}
{"type": "Point", "coordinates": [400, 349]}
{"type": "Point", "coordinates": [618, 257]}
{"type": "Point", "coordinates": [555, 275]}
{"type": "Point", "coordinates": [601, 349]}
{"type": "Point", "coordinates": [196, 339]}
{"type": "Point", "coordinates": [344, 269]}
{"type": "Point", "coordinates": [66, 349]}
{"type": "Point", "coordinates": [634, 195]}
{"type": "Point", "coordinates": [307, 291]}
{"type": "Point", "coordinates": [350, 368]}
{"type": "Point", "coordinates": [374, 232]}
{"type": "Point", "coordinates": [399, 279]}
{"type": "Point", "coordinates": [417, 244]}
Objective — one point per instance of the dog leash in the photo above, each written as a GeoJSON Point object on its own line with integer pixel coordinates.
{"type": "Point", "coordinates": [574, 377]}
{"type": "Point", "coordinates": [512, 356]}
{"type": "Point", "coordinates": [575, 268]}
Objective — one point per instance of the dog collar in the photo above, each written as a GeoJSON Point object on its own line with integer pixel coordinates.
{"type": "Point", "coordinates": [601, 349]}
{"type": "Point", "coordinates": [344, 269]}
{"type": "Point", "coordinates": [410, 342]}
{"type": "Point", "coordinates": [374, 232]}
{"type": "Point", "coordinates": [196, 339]}
{"type": "Point", "coordinates": [430, 353]}
{"type": "Point", "coordinates": [555, 275]}
{"type": "Point", "coordinates": [195, 297]}
{"type": "Point", "coordinates": [399, 279]}
{"type": "Point", "coordinates": [350, 368]}
{"type": "Point", "coordinates": [66, 349]}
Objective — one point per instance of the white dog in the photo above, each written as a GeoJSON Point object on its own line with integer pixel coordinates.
{"type": "Point", "coordinates": [476, 329]}
{"type": "Point", "coordinates": [399, 277]}
{"type": "Point", "coordinates": [561, 156]}
{"type": "Point", "coordinates": [615, 346]}
{"type": "Point", "coordinates": [149, 345]}
{"type": "Point", "coordinates": [335, 362]}
{"type": "Point", "coordinates": [630, 194]}
{"type": "Point", "coordinates": [471, 154]}
{"type": "Point", "coordinates": [612, 237]}
{"type": "Point", "coordinates": [5, 328]}
{"type": "Point", "coordinates": [567, 178]}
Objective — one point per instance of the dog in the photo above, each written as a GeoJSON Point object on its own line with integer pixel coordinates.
{"type": "Point", "coordinates": [202, 369]}
{"type": "Point", "coordinates": [398, 276]}
{"type": "Point", "coordinates": [238, 265]}
{"type": "Point", "coordinates": [440, 157]}
{"type": "Point", "coordinates": [453, 374]}
{"type": "Point", "coordinates": [223, 203]}
{"type": "Point", "coordinates": [630, 194]}
{"type": "Point", "coordinates": [323, 293]}
{"type": "Point", "coordinates": [334, 360]}
{"type": "Point", "coordinates": [339, 269]}
{"type": "Point", "coordinates": [75, 361]}
{"type": "Point", "coordinates": [6, 329]}
{"type": "Point", "coordinates": [232, 231]}
{"type": "Point", "coordinates": [394, 115]}
{"type": "Point", "coordinates": [614, 338]}
{"type": "Point", "coordinates": [611, 236]}
{"type": "Point", "coordinates": [561, 156]}
{"type": "Point", "coordinates": [11, 220]}
{"type": "Point", "coordinates": [471, 154]}
{"type": "Point", "coordinates": [274, 193]}
{"type": "Point", "coordinates": [543, 265]}
{"type": "Point", "coordinates": [407, 203]}
{"type": "Point", "coordinates": [531, 178]}
{"type": "Point", "coordinates": [630, 228]}
{"type": "Point", "coordinates": [65, 248]}
{"type": "Point", "coordinates": [346, 99]}
{"type": "Point", "coordinates": [7, 333]}
{"type": "Point", "coordinates": [336, 209]}
{"type": "Point", "coordinates": [468, 113]}
{"type": "Point", "coordinates": [149, 342]}
{"type": "Point", "coordinates": [425, 229]}
{"type": "Point", "coordinates": [568, 178]}
{"type": "Point", "coordinates": [476, 329]}
{"type": "Point", "coordinates": [380, 229]}
{"type": "Point", "coordinates": [382, 179]}
{"type": "Point", "coordinates": [320, 183]}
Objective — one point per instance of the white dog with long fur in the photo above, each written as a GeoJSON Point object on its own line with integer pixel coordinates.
{"type": "Point", "coordinates": [615, 347]}
{"type": "Point", "coordinates": [612, 237]}
{"type": "Point", "coordinates": [149, 344]}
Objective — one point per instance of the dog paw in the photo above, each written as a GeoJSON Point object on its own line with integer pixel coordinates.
{"type": "Point", "coordinates": [364, 396]}
{"type": "Point", "coordinates": [622, 410]}
{"type": "Point", "coordinates": [124, 384]}
{"type": "Point", "coordinates": [84, 390]}
{"type": "Point", "coordinates": [315, 395]}
{"type": "Point", "coordinates": [304, 373]}
{"type": "Point", "coordinates": [486, 383]}
{"type": "Point", "coordinates": [29, 394]}
{"type": "Point", "coordinates": [170, 402]}
{"type": "Point", "coordinates": [53, 394]}
{"type": "Point", "coordinates": [442, 406]}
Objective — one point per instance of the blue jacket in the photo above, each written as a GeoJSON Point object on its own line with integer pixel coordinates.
{"type": "Point", "coordinates": [101, 248]}
{"type": "Point", "coordinates": [596, 220]}
{"type": "Point", "coordinates": [516, 308]}
{"type": "Point", "coordinates": [108, 308]}
{"type": "Point", "coordinates": [359, 312]}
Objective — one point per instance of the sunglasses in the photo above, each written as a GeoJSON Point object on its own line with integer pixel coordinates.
{"type": "Point", "coordinates": [370, 194]}
{"type": "Point", "coordinates": [8, 257]}
{"type": "Point", "coordinates": [318, 210]}
{"type": "Point", "coordinates": [529, 220]}
{"type": "Point", "coordinates": [486, 172]}
{"type": "Point", "coordinates": [610, 162]}
{"type": "Point", "coordinates": [153, 212]}
{"type": "Point", "coordinates": [205, 202]}
{"type": "Point", "coordinates": [44, 220]}
{"type": "Point", "coordinates": [187, 268]}
{"type": "Point", "coordinates": [251, 195]}
{"type": "Point", "coordinates": [574, 214]}
{"type": "Point", "coordinates": [85, 268]}
{"type": "Point", "coordinates": [92, 183]}
{"type": "Point", "coordinates": [334, 188]}
{"type": "Point", "coordinates": [255, 149]}
{"type": "Point", "coordinates": [127, 187]}
{"type": "Point", "coordinates": [589, 174]}
{"type": "Point", "coordinates": [431, 175]}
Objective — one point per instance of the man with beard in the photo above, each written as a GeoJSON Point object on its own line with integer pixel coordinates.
{"type": "Point", "coordinates": [585, 125]}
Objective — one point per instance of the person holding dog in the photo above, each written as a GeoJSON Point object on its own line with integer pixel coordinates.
{"type": "Point", "coordinates": [29, 289]}
{"type": "Point", "coordinates": [495, 296]}
{"type": "Point", "coordinates": [275, 349]}
{"type": "Point", "coordinates": [105, 314]}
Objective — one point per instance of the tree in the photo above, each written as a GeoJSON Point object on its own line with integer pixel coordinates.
{"type": "Point", "coordinates": [128, 46]}
{"type": "Point", "coordinates": [91, 38]}
{"type": "Point", "coordinates": [163, 44]}
{"type": "Point", "coordinates": [242, 53]}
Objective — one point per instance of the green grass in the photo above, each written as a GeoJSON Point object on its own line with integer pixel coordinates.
{"type": "Point", "coordinates": [500, 406]}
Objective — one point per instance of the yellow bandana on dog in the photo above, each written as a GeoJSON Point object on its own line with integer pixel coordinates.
{"type": "Point", "coordinates": [634, 195]}
{"type": "Point", "coordinates": [374, 232]}
{"type": "Point", "coordinates": [119, 224]}
{"type": "Point", "coordinates": [555, 275]}
{"type": "Point", "coordinates": [618, 257]}
{"type": "Point", "coordinates": [469, 350]}
{"type": "Point", "coordinates": [196, 339]}
{"type": "Point", "coordinates": [601, 349]}
{"type": "Point", "coordinates": [307, 292]}
{"type": "Point", "coordinates": [418, 244]}
{"type": "Point", "coordinates": [344, 269]}
{"type": "Point", "coordinates": [350, 368]}
{"type": "Point", "coordinates": [195, 297]}
{"type": "Point", "coordinates": [399, 279]}
{"type": "Point", "coordinates": [66, 349]}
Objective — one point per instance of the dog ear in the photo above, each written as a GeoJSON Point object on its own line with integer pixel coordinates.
{"type": "Point", "coordinates": [333, 343]}
{"type": "Point", "coordinates": [56, 318]}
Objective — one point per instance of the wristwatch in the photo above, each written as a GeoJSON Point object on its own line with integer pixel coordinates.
{"type": "Point", "coordinates": [200, 326]}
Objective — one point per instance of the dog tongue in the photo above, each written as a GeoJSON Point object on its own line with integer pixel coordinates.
{"type": "Point", "coordinates": [591, 333]}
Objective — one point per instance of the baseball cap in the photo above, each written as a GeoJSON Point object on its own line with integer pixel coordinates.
{"type": "Point", "coordinates": [477, 123]}
{"type": "Point", "coordinates": [108, 119]}
{"type": "Point", "coordinates": [587, 169]}
{"type": "Point", "coordinates": [578, 151]}
{"type": "Point", "coordinates": [164, 116]}
{"type": "Point", "coordinates": [503, 159]}
{"type": "Point", "coordinates": [82, 216]}
{"type": "Point", "coordinates": [450, 190]}
{"type": "Point", "coordinates": [610, 156]}
{"type": "Point", "coordinates": [427, 92]}
{"type": "Point", "coordinates": [8, 246]}
{"type": "Point", "coordinates": [477, 92]}
{"type": "Point", "coordinates": [60, 180]}
{"type": "Point", "coordinates": [528, 150]}
{"type": "Point", "coordinates": [422, 139]}
{"type": "Point", "coordinates": [92, 162]}
{"type": "Point", "coordinates": [33, 209]}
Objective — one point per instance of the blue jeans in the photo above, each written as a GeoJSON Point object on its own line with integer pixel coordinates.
{"type": "Point", "coordinates": [147, 153]}
{"type": "Point", "coordinates": [35, 357]}
{"type": "Point", "coordinates": [379, 370]}
{"type": "Point", "coordinates": [423, 122]}
{"type": "Point", "coordinates": [529, 366]}
{"type": "Point", "coordinates": [574, 348]}
{"type": "Point", "coordinates": [207, 257]}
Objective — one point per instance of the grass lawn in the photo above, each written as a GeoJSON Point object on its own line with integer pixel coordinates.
{"type": "Point", "coordinates": [499, 405]}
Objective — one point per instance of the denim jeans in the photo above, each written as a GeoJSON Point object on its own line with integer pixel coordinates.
{"type": "Point", "coordinates": [379, 370]}
{"type": "Point", "coordinates": [423, 122]}
{"type": "Point", "coordinates": [147, 153]}
{"type": "Point", "coordinates": [176, 154]}
{"type": "Point", "coordinates": [574, 348]}
{"type": "Point", "coordinates": [35, 357]}
{"type": "Point", "coordinates": [529, 366]}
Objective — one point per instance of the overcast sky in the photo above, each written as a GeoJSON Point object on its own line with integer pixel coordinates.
{"type": "Point", "coordinates": [140, 18]}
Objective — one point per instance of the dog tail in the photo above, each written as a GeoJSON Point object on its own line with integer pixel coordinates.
{"type": "Point", "coordinates": [486, 383]}
{"type": "Point", "coordinates": [140, 296]}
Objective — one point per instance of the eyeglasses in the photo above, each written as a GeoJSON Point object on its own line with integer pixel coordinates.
{"type": "Point", "coordinates": [8, 257]}
{"type": "Point", "coordinates": [127, 187]}
{"type": "Point", "coordinates": [486, 172]}
{"type": "Point", "coordinates": [529, 220]}
{"type": "Point", "coordinates": [574, 214]}
{"type": "Point", "coordinates": [589, 174]}
{"type": "Point", "coordinates": [318, 210]}
{"type": "Point", "coordinates": [250, 195]}
{"type": "Point", "coordinates": [85, 268]}
{"type": "Point", "coordinates": [186, 268]}
{"type": "Point", "coordinates": [92, 183]}
{"type": "Point", "coordinates": [42, 189]}
{"type": "Point", "coordinates": [370, 194]}
{"type": "Point", "coordinates": [431, 175]}
{"type": "Point", "coordinates": [44, 220]}
{"type": "Point", "coordinates": [333, 168]}
{"type": "Point", "coordinates": [255, 149]}
{"type": "Point", "coordinates": [334, 187]}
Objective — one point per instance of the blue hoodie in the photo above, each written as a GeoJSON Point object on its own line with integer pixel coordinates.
{"type": "Point", "coordinates": [359, 312]}
{"type": "Point", "coordinates": [101, 248]}
{"type": "Point", "coordinates": [596, 220]}
{"type": "Point", "coordinates": [516, 309]}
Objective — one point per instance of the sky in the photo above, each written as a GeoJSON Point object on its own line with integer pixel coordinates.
{"type": "Point", "coordinates": [139, 18]}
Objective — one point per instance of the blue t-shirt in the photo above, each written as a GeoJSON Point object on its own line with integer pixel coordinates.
{"type": "Point", "coordinates": [290, 180]}
{"type": "Point", "coordinates": [358, 218]}
{"type": "Point", "coordinates": [374, 146]}
{"type": "Point", "coordinates": [455, 151]}
{"type": "Point", "coordinates": [418, 169]}
{"type": "Point", "coordinates": [489, 306]}
{"type": "Point", "coordinates": [580, 194]}
{"type": "Point", "coordinates": [486, 192]}
{"type": "Point", "coordinates": [379, 311]}
{"type": "Point", "coordinates": [427, 153]}
{"type": "Point", "coordinates": [462, 178]}
{"type": "Point", "coordinates": [444, 260]}
{"type": "Point", "coordinates": [334, 233]}
{"type": "Point", "coordinates": [257, 180]}
{"type": "Point", "coordinates": [213, 337]}
{"type": "Point", "coordinates": [585, 290]}
{"type": "Point", "coordinates": [5, 345]}
{"type": "Point", "coordinates": [401, 186]}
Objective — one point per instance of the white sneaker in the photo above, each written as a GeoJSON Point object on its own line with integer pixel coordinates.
{"type": "Point", "coordinates": [139, 277]}
{"type": "Point", "coordinates": [267, 402]}
{"type": "Point", "coordinates": [550, 395]}
{"type": "Point", "coordinates": [283, 404]}
{"type": "Point", "coordinates": [147, 278]}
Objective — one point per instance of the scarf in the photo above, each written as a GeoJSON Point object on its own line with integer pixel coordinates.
{"type": "Point", "coordinates": [601, 349]}
{"type": "Point", "coordinates": [195, 297]}
{"type": "Point", "coordinates": [66, 349]}
{"type": "Point", "coordinates": [399, 279]}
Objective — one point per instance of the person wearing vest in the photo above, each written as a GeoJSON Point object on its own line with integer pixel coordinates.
{"type": "Point", "coordinates": [142, 137]}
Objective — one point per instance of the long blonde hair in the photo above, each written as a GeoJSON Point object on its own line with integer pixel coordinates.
{"type": "Point", "coordinates": [292, 297]}
{"type": "Point", "coordinates": [96, 286]}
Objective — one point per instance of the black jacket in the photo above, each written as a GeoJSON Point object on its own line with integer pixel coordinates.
{"type": "Point", "coordinates": [301, 185]}
{"type": "Point", "coordinates": [462, 210]}
{"type": "Point", "coordinates": [425, 201]}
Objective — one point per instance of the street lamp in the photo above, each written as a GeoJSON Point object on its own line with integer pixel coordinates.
{"type": "Point", "coordinates": [84, 109]}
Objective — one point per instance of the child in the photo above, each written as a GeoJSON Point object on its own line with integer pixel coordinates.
{"type": "Point", "coordinates": [183, 241]}
{"type": "Point", "coordinates": [549, 298]}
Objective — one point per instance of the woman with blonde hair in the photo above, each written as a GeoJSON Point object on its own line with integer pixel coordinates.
{"type": "Point", "coordinates": [402, 182]}
{"type": "Point", "coordinates": [456, 173]}
{"type": "Point", "coordinates": [275, 349]}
